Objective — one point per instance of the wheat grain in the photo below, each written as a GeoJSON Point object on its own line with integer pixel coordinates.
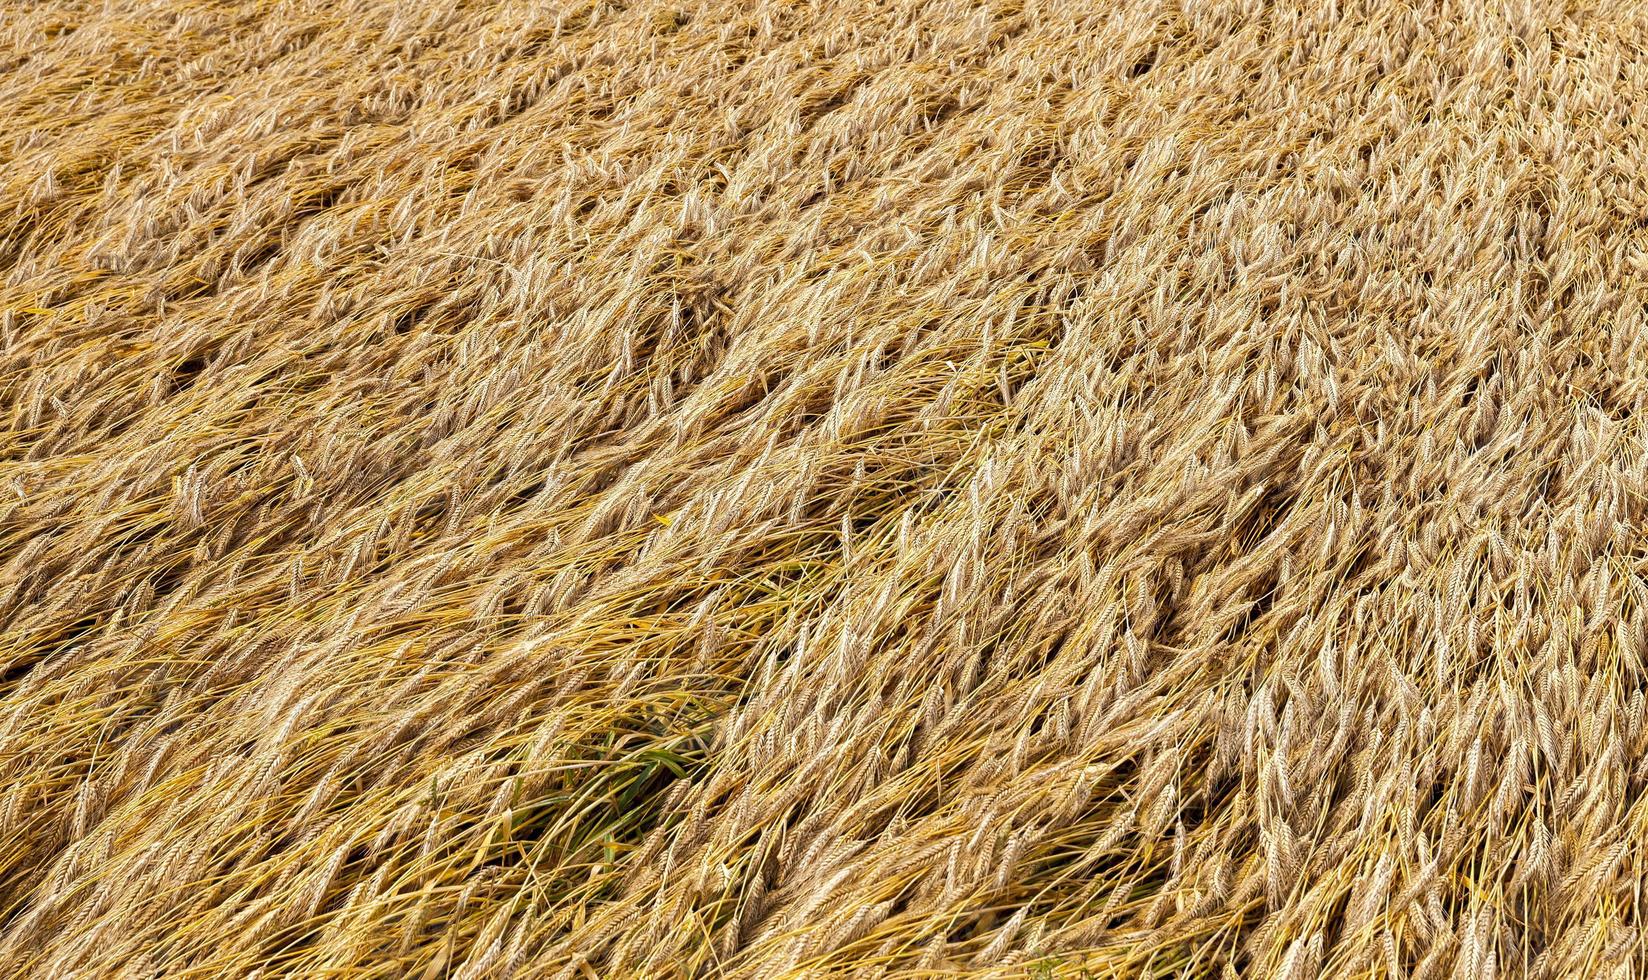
{"type": "Point", "coordinates": [620, 488]}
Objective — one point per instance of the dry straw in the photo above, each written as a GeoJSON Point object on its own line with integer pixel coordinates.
{"type": "Point", "coordinates": [504, 488]}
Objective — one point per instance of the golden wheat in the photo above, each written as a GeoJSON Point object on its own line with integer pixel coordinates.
{"type": "Point", "coordinates": [505, 488]}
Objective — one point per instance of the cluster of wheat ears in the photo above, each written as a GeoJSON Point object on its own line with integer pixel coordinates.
{"type": "Point", "coordinates": [790, 488]}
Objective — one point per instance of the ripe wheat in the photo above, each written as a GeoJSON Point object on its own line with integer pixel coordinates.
{"type": "Point", "coordinates": [788, 488]}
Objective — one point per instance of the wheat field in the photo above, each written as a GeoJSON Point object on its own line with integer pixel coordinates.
{"type": "Point", "coordinates": [814, 488]}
